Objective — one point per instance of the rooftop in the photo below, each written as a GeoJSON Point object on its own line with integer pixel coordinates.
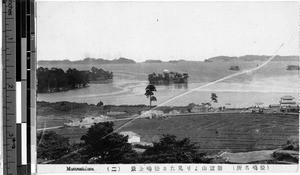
{"type": "Point", "coordinates": [288, 102]}
{"type": "Point", "coordinates": [129, 134]}
{"type": "Point", "coordinates": [287, 97]}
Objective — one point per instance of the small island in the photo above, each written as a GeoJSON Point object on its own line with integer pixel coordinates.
{"type": "Point", "coordinates": [167, 78]}
{"type": "Point", "coordinates": [234, 68]}
{"type": "Point", "coordinates": [57, 80]}
{"type": "Point", "coordinates": [177, 61]}
{"type": "Point", "coordinates": [292, 67]}
{"type": "Point", "coordinates": [99, 76]}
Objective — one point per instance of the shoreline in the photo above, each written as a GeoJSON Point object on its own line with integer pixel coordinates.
{"type": "Point", "coordinates": [229, 99]}
{"type": "Point", "coordinates": [69, 89]}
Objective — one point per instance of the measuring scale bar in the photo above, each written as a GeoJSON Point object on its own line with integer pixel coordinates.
{"type": "Point", "coordinates": [18, 49]}
{"type": "Point", "coordinates": [9, 87]}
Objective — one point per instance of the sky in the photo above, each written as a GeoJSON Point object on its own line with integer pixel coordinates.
{"type": "Point", "coordinates": [165, 30]}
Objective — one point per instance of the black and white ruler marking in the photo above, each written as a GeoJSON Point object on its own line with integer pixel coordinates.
{"type": "Point", "coordinates": [18, 58]}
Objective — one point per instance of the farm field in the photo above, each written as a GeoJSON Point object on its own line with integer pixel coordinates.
{"type": "Point", "coordinates": [213, 132]}
{"type": "Point", "coordinates": [232, 132]}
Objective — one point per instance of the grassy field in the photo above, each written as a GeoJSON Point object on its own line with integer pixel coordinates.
{"type": "Point", "coordinates": [214, 132]}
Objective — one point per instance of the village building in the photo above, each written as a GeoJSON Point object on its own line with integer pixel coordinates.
{"type": "Point", "coordinates": [132, 136]}
{"type": "Point", "coordinates": [86, 122]}
{"type": "Point", "coordinates": [152, 114]}
{"type": "Point", "coordinates": [93, 120]}
{"type": "Point", "coordinates": [174, 112]}
{"type": "Point", "coordinates": [199, 109]}
{"type": "Point", "coordinates": [287, 101]}
{"type": "Point", "coordinates": [274, 106]}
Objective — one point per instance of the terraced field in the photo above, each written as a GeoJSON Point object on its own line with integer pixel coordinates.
{"type": "Point", "coordinates": [214, 132]}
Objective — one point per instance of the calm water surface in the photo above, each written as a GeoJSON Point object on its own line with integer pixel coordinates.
{"type": "Point", "coordinates": [128, 91]}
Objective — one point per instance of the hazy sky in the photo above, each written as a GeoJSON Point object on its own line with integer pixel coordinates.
{"type": "Point", "coordinates": [165, 30]}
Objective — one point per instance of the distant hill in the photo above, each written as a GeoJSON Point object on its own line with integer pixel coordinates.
{"type": "Point", "coordinates": [221, 58]}
{"type": "Point", "coordinates": [252, 58]}
{"type": "Point", "coordinates": [264, 58]}
{"type": "Point", "coordinates": [121, 60]}
{"type": "Point", "coordinates": [153, 61]}
{"type": "Point", "coordinates": [177, 61]}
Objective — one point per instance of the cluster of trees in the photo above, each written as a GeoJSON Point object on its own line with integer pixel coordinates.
{"type": "Point", "coordinates": [235, 68]}
{"type": "Point", "coordinates": [99, 74]}
{"type": "Point", "coordinates": [169, 149]}
{"type": "Point", "coordinates": [213, 98]}
{"type": "Point", "coordinates": [52, 146]}
{"type": "Point", "coordinates": [56, 79]}
{"type": "Point", "coordinates": [101, 145]}
{"type": "Point", "coordinates": [168, 78]}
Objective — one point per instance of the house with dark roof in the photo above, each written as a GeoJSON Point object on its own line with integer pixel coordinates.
{"type": "Point", "coordinates": [287, 101]}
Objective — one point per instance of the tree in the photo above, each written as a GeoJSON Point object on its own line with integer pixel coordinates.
{"type": "Point", "coordinates": [56, 80]}
{"type": "Point", "coordinates": [100, 104]}
{"type": "Point", "coordinates": [167, 78]}
{"type": "Point", "coordinates": [74, 78]}
{"type": "Point", "coordinates": [235, 68]}
{"type": "Point", "coordinates": [103, 146]}
{"type": "Point", "coordinates": [171, 150]}
{"type": "Point", "coordinates": [51, 145]}
{"type": "Point", "coordinates": [42, 81]}
{"type": "Point", "coordinates": [152, 78]}
{"type": "Point", "coordinates": [191, 106]}
{"type": "Point", "coordinates": [214, 98]}
{"type": "Point", "coordinates": [99, 74]}
{"type": "Point", "coordinates": [59, 79]}
{"type": "Point", "coordinates": [149, 93]}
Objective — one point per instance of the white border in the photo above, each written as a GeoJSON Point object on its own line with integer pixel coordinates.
{"type": "Point", "coordinates": [126, 169]}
